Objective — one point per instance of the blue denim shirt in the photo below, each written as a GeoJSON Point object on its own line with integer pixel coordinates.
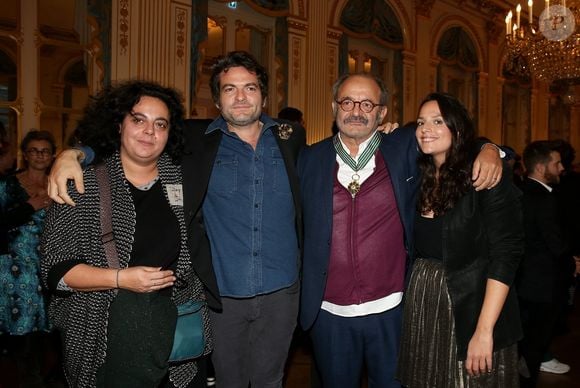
{"type": "Point", "coordinates": [250, 215]}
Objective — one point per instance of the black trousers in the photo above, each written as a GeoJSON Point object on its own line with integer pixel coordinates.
{"type": "Point", "coordinates": [538, 322]}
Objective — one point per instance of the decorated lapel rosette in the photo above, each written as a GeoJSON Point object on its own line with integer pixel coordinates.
{"type": "Point", "coordinates": [284, 131]}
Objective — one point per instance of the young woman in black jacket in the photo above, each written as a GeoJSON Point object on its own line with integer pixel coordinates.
{"type": "Point", "coordinates": [461, 321]}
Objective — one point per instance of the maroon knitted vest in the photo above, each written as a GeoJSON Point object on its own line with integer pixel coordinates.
{"type": "Point", "coordinates": [367, 255]}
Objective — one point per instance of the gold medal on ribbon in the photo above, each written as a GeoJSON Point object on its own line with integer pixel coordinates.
{"type": "Point", "coordinates": [354, 187]}
{"type": "Point", "coordinates": [366, 155]}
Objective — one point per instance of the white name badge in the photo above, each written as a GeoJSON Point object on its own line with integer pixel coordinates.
{"type": "Point", "coordinates": [175, 194]}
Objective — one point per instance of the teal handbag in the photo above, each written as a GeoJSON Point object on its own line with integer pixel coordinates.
{"type": "Point", "coordinates": [189, 340]}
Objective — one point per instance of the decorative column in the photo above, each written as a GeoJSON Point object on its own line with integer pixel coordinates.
{"type": "Point", "coordinates": [540, 110]}
{"type": "Point", "coordinates": [150, 40]}
{"type": "Point", "coordinates": [321, 70]}
{"type": "Point", "coordinates": [575, 128]}
{"type": "Point", "coordinates": [494, 133]}
{"type": "Point", "coordinates": [29, 104]}
{"type": "Point", "coordinates": [297, 45]}
{"type": "Point", "coordinates": [425, 59]}
{"type": "Point", "coordinates": [494, 81]}
{"type": "Point", "coordinates": [495, 107]}
{"type": "Point", "coordinates": [409, 87]}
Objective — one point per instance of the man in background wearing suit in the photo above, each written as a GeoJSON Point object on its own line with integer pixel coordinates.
{"type": "Point", "coordinates": [541, 281]}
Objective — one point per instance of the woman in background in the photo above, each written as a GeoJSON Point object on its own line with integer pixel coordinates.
{"type": "Point", "coordinates": [461, 322]}
{"type": "Point", "coordinates": [23, 203]}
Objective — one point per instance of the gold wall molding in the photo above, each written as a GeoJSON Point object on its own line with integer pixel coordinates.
{"type": "Point", "coordinates": [297, 45]}
{"type": "Point", "coordinates": [296, 56]}
{"type": "Point", "coordinates": [124, 26]}
{"type": "Point", "coordinates": [297, 25]}
{"type": "Point", "coordinates": [180, 33]}
{"type": "Point", "coordinates": [424, 7]}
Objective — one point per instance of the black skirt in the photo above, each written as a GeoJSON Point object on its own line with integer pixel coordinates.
{"type": "Point", "coordinates": [428, 354]}
{"type": "Point", "coordinates": [139, 340]}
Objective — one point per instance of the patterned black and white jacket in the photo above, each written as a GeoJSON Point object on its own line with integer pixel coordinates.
{"type": "Point", "coordinates": [74, 233]}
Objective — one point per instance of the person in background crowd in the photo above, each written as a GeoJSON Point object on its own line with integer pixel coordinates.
{"type": "Point", "coordinates": [292, 114]}
{"type": "Point", "coordinates": [547, 264]}
{"type": "Point", "coordinates": [461, 319]}
{"type": "Point", "coordinates": [23, 204]}
{"type": "Point", "coordinates": [567, 192]}
{"type": "Point", "coordinates": [118, 324]}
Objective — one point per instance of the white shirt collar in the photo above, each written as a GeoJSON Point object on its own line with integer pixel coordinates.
{"type": "Point", "coordinates": [542, 183]}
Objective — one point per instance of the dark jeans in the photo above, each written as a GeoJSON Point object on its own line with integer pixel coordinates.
{"type": "Point", "coordinates": [252, 337]}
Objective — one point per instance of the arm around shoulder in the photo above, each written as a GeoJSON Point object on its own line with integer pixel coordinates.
{"type": "Point", "coordinates": [66, 166]}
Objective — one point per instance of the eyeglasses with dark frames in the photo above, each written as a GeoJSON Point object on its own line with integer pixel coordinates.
{"type": "Point", "coordinates": [36, 152]}
{"type": "Point", "coordinates": [366, 106]}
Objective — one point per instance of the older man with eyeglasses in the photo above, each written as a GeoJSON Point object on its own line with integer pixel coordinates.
{"type": "Point", "coordinates": [358, 191]}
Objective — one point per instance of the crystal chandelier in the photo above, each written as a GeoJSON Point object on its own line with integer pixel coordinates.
{"type": "Point", "coordinates": [552, 47]}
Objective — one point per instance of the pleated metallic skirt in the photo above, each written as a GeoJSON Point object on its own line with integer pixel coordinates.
{"type": "Point", "coordinates": [428, 354]}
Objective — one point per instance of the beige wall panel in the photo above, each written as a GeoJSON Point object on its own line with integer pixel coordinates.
{"type": "Point", "coordinates": [297, 44]}
{"type": "Point", "coordinates": [540, 109]}
{"type": "Point", "coordinates": [318, 79]}
{"type": "Point", "coordinates": [150, 40]}
{"type": "Point", "coordinates": [29, 104]}
{"type": "Point", "coordinates": [484, 129]}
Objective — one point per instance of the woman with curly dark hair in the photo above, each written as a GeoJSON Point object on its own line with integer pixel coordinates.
{"type": "Point", "coordinates": [118, 324]}
{"type": "Point", "coordinates": [103, 116]}
{"type": "Point", "coordinates": [461, 321]}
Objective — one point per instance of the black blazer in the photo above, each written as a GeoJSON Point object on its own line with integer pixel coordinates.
{"type": "Point", "coordinates": [543, 270]}
{"type": "Point", "coordinates": [483, 239]}
{"type": "Point", "coordinates": [197, 164]}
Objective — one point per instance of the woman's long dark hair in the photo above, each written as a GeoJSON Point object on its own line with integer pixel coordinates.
{"type": "Point", "coordinates": [439, 193]}
{"type": "Point", "coordinates": [99, 127]}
